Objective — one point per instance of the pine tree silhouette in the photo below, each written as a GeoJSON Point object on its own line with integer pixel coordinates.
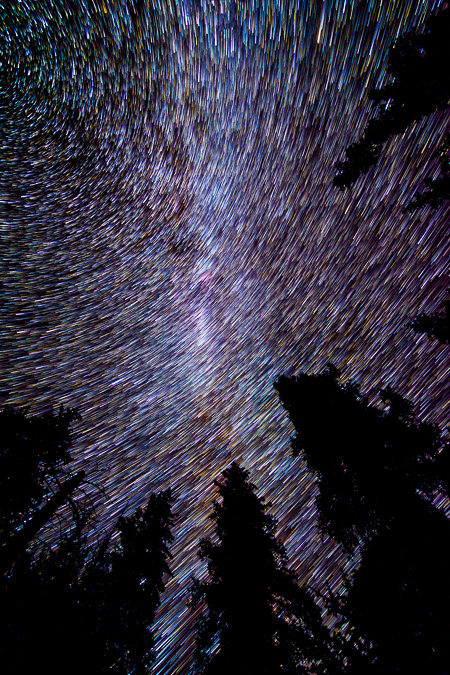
{"type": "Point", "coordinates": [255, 618]}
{"type": "Point", "coordinates": [66, 607]}
{"type": "Point", "coordinates": [377, 471]}
{"type": "Point", "coordinates": [419, 87]}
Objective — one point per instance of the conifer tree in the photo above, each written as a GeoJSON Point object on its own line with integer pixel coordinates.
{"type": "Point", "coordinates": [255, 617]}
{"type": "Point", "coordinates": [377, 470]}
{"type": "Point", "coordinates": [34, 454]}
{"type": "Point", "coordinates": [435, 326]}
{"type": "Point", "coordinates": [66, 607]}
{"type": "Point", "coordinates": [419, 87]}
{"type": "Point", "coordinates": [120, 587]}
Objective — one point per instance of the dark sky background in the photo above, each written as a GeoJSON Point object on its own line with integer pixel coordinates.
{"type": "Point", "coordinates": [171, 243]}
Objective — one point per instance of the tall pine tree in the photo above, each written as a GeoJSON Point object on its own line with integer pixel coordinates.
{"type": "Point", "coordinates": [34, 480]}
{"type": "Point", "coordinates": [120, 589]}
{"type": "Point", "coordinates": [255, 617]}
{"type": "Point", "coordinates": [419, 87]}
{"type": "Point", "coordinates": [377, 471]}
{"type": "Point", "coordinates": [64, 606]}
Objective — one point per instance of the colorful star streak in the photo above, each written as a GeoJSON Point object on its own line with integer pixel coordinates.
{"type": "Point", "coordinates": [171, 243]}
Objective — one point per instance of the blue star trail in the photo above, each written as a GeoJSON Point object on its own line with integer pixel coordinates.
{"type": "Point", "coordinates": [172, 242]}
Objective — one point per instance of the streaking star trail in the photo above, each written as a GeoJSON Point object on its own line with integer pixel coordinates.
{"type": "Point", "coordinates": [172, 242]}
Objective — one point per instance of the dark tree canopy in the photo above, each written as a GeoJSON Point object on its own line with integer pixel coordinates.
{"type": "Point", "coordinates": [96, 607]}
{"type": "Point", "coordinates": [121, 588]}
{"type": "Point", "coordinates": [34, 451]}
{"type": "Point", "coordinates": [256, 618]}
{"type": "Point", "coordinates": [67, 607]}
{"type": "Point", "coordinates": [369, 462]}
{"type": "Point", "coordinates": [375, 469]}
{"type": "Point", "coordinates": [435, 326]}
{"type": "Point", "coordinates": [419, 86]}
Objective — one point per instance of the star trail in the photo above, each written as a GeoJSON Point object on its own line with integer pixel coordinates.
{"type": "Point", "coordinates": [172, 243]}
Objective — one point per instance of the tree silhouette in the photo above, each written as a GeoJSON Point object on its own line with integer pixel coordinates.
{"type": "Point", "coordinates": [121, 588]}
{"type": "Point", "coordinates": [34, 451]}
{"type": "Point", "coordinates": [419, 86]}
{"type": "Point", "coordinates": [377, 470]}
{"type": "Point", "coordinates": [66, 605]}
{"type": "Point", "coordinates": [255, 618]}
{"type": "Point", "coordinates": [435, 326]}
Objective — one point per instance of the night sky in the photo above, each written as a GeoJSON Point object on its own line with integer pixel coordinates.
{"type": "Point", "coordinates": [172, 242]}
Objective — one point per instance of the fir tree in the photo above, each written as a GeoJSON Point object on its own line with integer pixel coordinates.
{"type": "Point", "coordinates": [419, 87]}
{"type": "Point", "coordinates": [377, 470]}
{"type": "Point", "coordinates": [65, 606]}
{"type": "Point", "coordinates": [34, 454]}
{"type": "Point", "coordinates": [255, 618]}
{"type": "Point", "coordinates": [435, 326]}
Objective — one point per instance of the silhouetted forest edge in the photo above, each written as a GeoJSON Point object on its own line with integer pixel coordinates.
{"type": "Point", "coordinates": [378, 470]}
{"type": "Point", "coordinates": [73, 606]}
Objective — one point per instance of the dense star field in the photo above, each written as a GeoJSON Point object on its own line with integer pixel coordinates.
{"type": "Point", "coordinates": [172, 243]}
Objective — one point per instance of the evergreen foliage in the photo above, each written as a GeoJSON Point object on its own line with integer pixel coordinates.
{"type": "Point", "coordinates": [34, 451]}
{"type": "Point", "coordinates": [377, 471]}
{"type": "Point", "coordinates": [419, 87]}
{"type": "Point", "coordinates": [256, 618]}
{"type": "Point", "coordinates": [369, 462]}
{"type": "Point", "coordinates": [67, 607]}
{"type": "Point", "coordinates": [435, 326]}
{"type": "Point", "coordinates": [121, 588]}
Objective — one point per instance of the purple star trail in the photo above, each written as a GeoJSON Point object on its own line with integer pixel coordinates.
{"type": "Point", "coordinates": [172, 243]}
